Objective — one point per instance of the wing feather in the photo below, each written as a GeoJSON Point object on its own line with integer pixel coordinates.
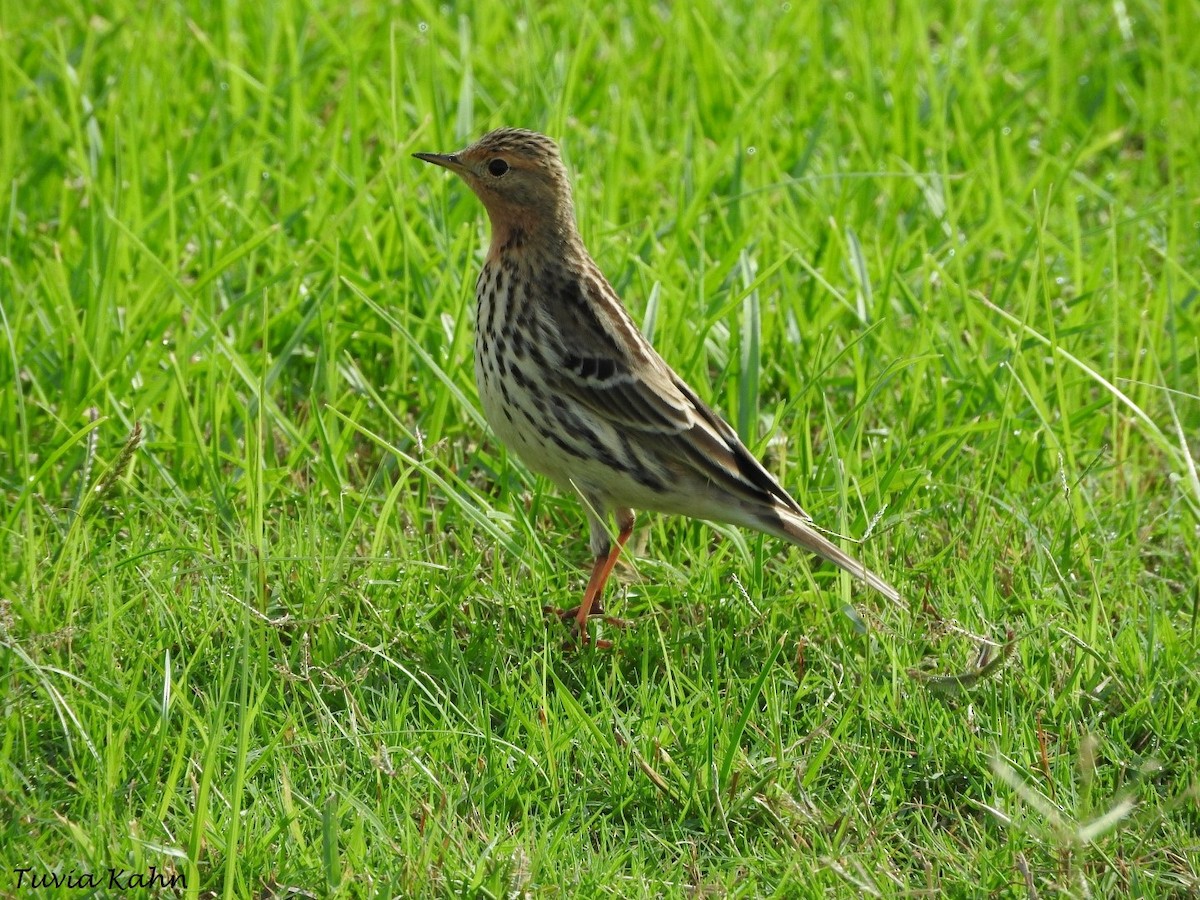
{"type": "Point", "coordinates": [606, 366]}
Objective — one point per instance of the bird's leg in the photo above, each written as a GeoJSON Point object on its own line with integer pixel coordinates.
{"type": "Point", "coordinates": [606, 555]}
{"type": "Point", "coordinates": [600, 572]}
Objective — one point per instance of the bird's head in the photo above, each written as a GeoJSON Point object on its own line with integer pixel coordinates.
{"type": "Point", "coordinates": [520, 178]}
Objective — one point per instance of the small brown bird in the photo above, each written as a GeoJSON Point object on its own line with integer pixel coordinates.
{"type": "Point", "coordinates": [571, 386]}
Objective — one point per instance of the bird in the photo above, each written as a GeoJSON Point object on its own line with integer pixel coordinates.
{"type": "Point", "coordinates": [569, 383]}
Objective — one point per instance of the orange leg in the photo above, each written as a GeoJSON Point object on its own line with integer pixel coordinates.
{"type": "Point", "coordinates": [600, 572]}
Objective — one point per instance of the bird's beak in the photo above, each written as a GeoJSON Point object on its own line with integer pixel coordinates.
{"type": "Point", "coordinates": [445, 160]}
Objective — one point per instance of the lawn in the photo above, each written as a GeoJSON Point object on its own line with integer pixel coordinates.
{"type": "Point", "coordinates": [271, 593]}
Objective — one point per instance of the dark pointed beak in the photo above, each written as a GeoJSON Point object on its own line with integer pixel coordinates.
{"type": "Point", "coordinates": [445, 160]}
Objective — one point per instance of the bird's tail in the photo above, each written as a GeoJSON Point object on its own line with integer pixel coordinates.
{"type": "Point", "coordinates": [800, 532]}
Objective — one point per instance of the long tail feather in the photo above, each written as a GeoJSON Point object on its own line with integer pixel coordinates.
{"type": "Point", "coordinates": [801, 533]}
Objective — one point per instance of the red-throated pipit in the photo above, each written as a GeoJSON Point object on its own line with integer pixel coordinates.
{"type": "Point", "coordinates": [571, 386]}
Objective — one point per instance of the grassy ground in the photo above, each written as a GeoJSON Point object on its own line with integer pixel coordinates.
{"type": "Point", "coordinates": [941, 266]}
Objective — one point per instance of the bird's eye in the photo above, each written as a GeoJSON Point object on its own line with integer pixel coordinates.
{"type": "Point", "coordinates": [497, 167]}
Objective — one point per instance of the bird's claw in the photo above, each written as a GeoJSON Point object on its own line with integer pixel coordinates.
{"type": "Point", "coordinates": [568, 616]}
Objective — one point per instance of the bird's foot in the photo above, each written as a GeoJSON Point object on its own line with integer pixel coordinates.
{"type": "Point", "coordinates": [570, 618]}
{"type": "Point", "coordinates": [596, 612]}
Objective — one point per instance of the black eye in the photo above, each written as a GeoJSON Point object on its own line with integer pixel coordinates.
{"type": "Point", "coordinates": [497, 167]}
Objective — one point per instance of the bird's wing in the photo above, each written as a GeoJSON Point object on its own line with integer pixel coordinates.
{"type": "Point", "coordinates": [605, 365]}
{"type": "Point", "coordinates": [599, 359]}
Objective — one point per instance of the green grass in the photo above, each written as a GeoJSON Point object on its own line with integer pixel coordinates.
{"type": "Point", "coordinates": [940, 266]}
